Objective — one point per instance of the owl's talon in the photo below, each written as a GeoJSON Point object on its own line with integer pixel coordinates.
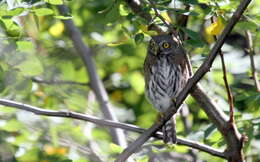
{"type": "Point", "coordinates": [160, 115]}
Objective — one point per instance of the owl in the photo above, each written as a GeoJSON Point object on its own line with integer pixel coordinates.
{"type": "Point", "coordinates": [165, 73]}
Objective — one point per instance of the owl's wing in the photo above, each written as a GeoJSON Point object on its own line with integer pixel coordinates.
{"type": "Point", "coordinates": [149, 61]}
{"type": "Point", "coordinates": [180, 58]}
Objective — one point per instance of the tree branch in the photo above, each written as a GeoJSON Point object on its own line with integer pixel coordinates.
{"type": "Point", "coordinates": [109, 123]}
{"type": "Point", "coordinates": [229, 93]}
{"type": "Point", "coordinates": [136, 7]}
{"type": "Point", "coordinates": [95, 82]}
{"type": "Point", "coordinates": [157, 14]}
{"type": "Point", "coordinates": [251, 52]}
{"type": "Point", "coordinates": [234, 155]}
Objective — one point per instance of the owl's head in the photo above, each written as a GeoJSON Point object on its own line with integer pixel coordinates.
{"type": "Point", "coordinates": [163, 45]}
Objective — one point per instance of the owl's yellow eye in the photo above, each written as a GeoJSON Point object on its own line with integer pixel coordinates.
{"type": "Point", "coordinates": [166, 45]}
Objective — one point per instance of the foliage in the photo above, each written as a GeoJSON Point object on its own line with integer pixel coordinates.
{"type": "Point", "coordinates": [35, 44]}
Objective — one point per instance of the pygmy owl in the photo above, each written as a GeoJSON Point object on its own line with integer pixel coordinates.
{"type": "Point", "coordinates": [165, 72]}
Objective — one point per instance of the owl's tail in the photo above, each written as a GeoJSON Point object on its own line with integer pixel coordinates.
{"type": "Point", "coordinates": [169, 131]}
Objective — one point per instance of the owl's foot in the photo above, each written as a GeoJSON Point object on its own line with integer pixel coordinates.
{"type": "Point", "coordinates": [169, 132]}
{"type": "Point", "coordinates": [160, 115]}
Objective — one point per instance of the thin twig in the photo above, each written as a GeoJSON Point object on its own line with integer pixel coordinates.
{"type": "Point", "coordinates": [157, 14]}
{"type": "Point", "coordinates": [136, 7]}
{"type": "Point", "coordinates": [204, 68]}
{"type": "Point", "coordinates": [96, 84]}
{"type": "Point", "coordinates": [251, 52]}
{"type": "Point", "coordinates": [229, 93]}
{"type": "Point", "coordinates": [109, 123]}
{"type": "Point", "coordinates": [39, 80]}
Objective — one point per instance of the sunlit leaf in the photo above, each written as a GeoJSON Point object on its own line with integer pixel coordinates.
{"type": "Point", "coordinates": [182, 149]}
{"type": "Point", "coordinates": [43, 11]}
{"type": "Point", "coordinates": [12, 126]}
{"type": "Point", "coordinates": [24, 45]}
{"type": "Point", "coordinates": [115, 148]}
{"type": "Point", "coordinates": [137, 81]}
{"type": "Point", "coordinates": [178, 11]}
{"type": "Point", "coordinates": [209, 130]}
{"type": "Point", "coordinates": [195, 37]}
{"type": "Point", "coordinates": [31, 66]}
{"type": "Point", "coordinates": [166, 17]}
{"type": "Point", "coordinates": [12, 28]}
{"type": "Point", "coordinates": [29, 155]}
{"type": "Point", "coordinates": [54, 2]}
{"type": "Point", "coordinates": [215, 28]}
{"type": "Point", "coordinates": [143, 159]}
{"type": "Point", "coordinates": [123, 10]}
{"type": "Point", "coordinates": [76, 101]}
{"type": "Point", "coordinates": [112, 12]}
{"type": "Point", "coordinates": [57, 29]}
{"type": "Point", "coordinates": [54, 135]}
{"type": "Point", "coordinates": [63, 17]}
{"type": "Point", "coordinates": [67, 70]}
{"type": "Point", "coordinates": [14, 12]}
{"type": "Point", "coordinates": [100, 134]}
{"type": "Point", "coordinates": [119, 42]}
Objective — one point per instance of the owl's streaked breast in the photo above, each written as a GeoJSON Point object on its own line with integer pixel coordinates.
{"type": "Point", "coordinates": [164, 83]}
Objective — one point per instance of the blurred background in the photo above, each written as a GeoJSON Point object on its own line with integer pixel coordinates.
{"type": "Point", "coordinates": [39, 66]}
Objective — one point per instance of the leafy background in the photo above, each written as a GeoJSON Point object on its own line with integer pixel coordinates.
{"type": "Point", "coordinates": [34, 45]}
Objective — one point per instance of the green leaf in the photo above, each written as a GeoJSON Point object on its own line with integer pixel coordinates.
{"type": "Point", "coordinates": [195, 43]}
{"type": "Point", "coordinates": [115, 148]}
{"type": "Point", "coordinates": [100, 134]}
{"type": "Point", "coordinates": [209, 130]}
{"type": "Point", "coordinates": [123, 10]}
{"type": "Point", "coordinates": [76, 101]}
{"type": "Point", "coordinates": [112, 12]}
{"type": "Point", "coordinates": [63, 17]}
{"type": "Point", "coordinates": [14, 12]}
{"type": "Point", "coordinates": [191, 2]}
{"type": "Point", "coordinates": [193, 35]}
{"type": "Point", "coordinates": [109, 8]}
{"type": "Point", "coordinates": [13, 126]}
{"type": "Point", "coordinates": [2, 25]}
{"type": "Point", "coordinates": [139, 38]}
{"type": "Point", "coordinates": [43, 11]}
{"type": "Point", "coordinates": [143, 159]}
{"type": "Point", "coordinates": [24, 85]}
{"type": "Point", "coordinates": [54, 2]}
{"type": "Point", "coordinates": [29, 155]}
{"type": "Point", "coordinates": [11, 77]}
{"type": "Point", "coordinates": [179, 11]}
{"type": "Point", "coordinates": [164, 2]}
{"type": "Point", "coordinates": [12, 29]}
{"type": "Point", "coordinates": [249, 25]}
{"type": "Point", "coordinates": [137, 82]}
{"type": "Point", "coordinates": [54, 135]}
{"type": "Point", "coordinates": [218, 77]}
{"type": "Point", "coordinates": [31, 66]}
{"type": "Point", "coordinates": [67, 70]}
{"type": "Point", "coordinates": [24, 45]}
